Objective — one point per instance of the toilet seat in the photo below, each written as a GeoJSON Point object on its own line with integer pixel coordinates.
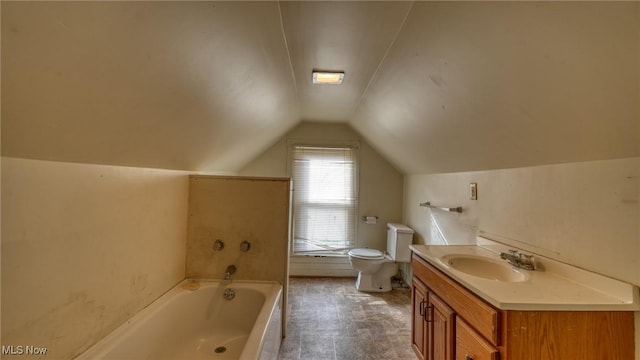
{"type": "Point", "coordinates": [367, 254]}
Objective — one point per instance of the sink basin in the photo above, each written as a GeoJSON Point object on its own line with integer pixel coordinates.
{"type": "Point", "coordinates": [484, 267]}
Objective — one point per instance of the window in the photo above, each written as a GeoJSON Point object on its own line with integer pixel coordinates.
{"type": "Point", "coordinates": [325, 198]}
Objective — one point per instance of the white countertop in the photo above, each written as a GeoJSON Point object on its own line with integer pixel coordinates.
{"type": "Point", "coordinates": [556, 286]}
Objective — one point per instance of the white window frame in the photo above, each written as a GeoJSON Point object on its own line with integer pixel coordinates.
{"type": "Point", "coordinates": [320, 250]}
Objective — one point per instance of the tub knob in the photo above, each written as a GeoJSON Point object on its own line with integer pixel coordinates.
{"type": "Point", "coordinates": [218, 245]}
{"type": "Point", "coordinates": [245, 246]}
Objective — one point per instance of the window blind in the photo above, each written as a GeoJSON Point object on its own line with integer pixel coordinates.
{"type": "Point", "coordinates": [325, 197]}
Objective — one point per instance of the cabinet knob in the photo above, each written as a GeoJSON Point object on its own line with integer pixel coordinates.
{"type": "Point", "coordinates": [468, 357]}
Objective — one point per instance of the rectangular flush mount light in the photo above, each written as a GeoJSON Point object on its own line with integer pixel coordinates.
{"type": "Point", "coordinates": [328, 77]}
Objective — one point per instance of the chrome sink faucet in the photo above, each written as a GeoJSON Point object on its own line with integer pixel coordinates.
{"type": "Point", "coordinates": [519, 260]}
{"type": "Point", "coordinates": [231, 269]}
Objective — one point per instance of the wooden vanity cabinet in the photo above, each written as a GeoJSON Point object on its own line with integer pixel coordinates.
{"type": "Point", "coordinates": [419, 323]}
{"type": "Point", "coordinates": [435, 319]}
{"type": "Point", "coordinates": [433, 325]}
{"type": "Point", "coordinates": [452, 323]}
{"type": "Point", "coordinates": [471, 346]}
{"type": "Point", "coordinates": [440, 317]}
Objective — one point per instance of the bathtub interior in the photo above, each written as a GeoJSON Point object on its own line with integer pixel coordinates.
{"type": "Point", "coordinates": [197, 322]}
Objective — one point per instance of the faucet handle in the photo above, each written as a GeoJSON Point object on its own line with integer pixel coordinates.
{"type": "Point", "coordinates": [528, 261]}
{"type": "Point", "coordinates": [526, 258]}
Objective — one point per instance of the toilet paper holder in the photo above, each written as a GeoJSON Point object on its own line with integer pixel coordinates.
{"type": "Point", "coordinates": [370, 219]}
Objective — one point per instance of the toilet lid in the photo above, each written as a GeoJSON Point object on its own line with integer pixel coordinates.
{"type": "Point", "coordinates": [366, 253]}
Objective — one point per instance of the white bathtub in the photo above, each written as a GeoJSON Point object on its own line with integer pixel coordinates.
{"type": "Point", "coordinates": [195, 321]}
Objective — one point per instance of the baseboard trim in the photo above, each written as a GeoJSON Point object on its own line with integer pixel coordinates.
{"type": "Point", "coordinates": [330, 266]}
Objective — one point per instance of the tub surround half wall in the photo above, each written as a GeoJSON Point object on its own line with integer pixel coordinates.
{"type": "Point", "coordinates": [586, 214]}
{"type": "Point", "coordinates": [237, 209]}
{"type": "Point", "coordinates": [84, 248]}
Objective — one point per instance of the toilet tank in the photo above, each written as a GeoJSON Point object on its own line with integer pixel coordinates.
{"type": "Point", "coordinates": [399, 237]}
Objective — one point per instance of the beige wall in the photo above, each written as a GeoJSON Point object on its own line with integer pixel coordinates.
{"type": "Point", "coordinates": [85, 247]}
{"type": "Point", "coordinates": [586, 214]}
{"type": "Point", "coordinates": [380, 187]}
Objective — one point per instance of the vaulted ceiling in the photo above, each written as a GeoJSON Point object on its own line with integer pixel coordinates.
{"type": "Point", "coordinates": [433, 86]}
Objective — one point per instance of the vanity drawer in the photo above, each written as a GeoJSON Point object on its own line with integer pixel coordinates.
{"type": "Point", "coordinates": [480, 315]}
{"type": "Point", "coordinates": [470, 345]}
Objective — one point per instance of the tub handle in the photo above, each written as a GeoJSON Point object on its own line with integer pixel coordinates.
{"type": "Point", "coordinates": [245, 246]}
{"type": "Point", "coordinates": [218, 245]}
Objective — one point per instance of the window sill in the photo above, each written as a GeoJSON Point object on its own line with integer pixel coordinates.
{"type": "Point", "coordinates": [340, 254]}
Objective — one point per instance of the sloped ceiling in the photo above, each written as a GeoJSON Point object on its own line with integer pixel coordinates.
{"type": "Point", "coordinates": [197, 86]}
{"type": "Point", "coordinates": [433, 86]}
{"type": "Point", "coordinates": [350, 36]}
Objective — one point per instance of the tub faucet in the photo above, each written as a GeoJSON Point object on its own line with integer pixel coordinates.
{"type": "Point", "coordinates": [519, 260]}
{"type": "Point", "coordinates": [231, 269]}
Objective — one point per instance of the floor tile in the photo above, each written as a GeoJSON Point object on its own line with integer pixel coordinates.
{"type": "Point", "coordinates": [328, 319]}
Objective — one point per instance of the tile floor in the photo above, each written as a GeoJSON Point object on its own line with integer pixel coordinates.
{"type": "Point", "coordinates": [328, 319]}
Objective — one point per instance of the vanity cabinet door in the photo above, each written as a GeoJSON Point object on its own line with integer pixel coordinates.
{"type": "Point", "coordinates": [471, 346]}
{"type": "Point", "coordinates": [419, 325]}
{"type": "Point", "coordinates": [441, 326]}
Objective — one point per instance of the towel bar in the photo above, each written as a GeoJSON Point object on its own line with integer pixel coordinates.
{"type": "Point", "coordinates": [452, 209]}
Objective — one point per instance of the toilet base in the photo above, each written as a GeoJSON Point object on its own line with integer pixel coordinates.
{"type": "Point", "coordinates": [378, 282]}
{"type": "Point", "coordinates": [366, 283]}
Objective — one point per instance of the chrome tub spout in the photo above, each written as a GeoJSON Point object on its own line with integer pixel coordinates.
{"type": "Point", "coordinates": [231, 269]}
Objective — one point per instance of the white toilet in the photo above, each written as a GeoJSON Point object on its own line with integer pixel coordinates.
{"type": "Point", "coordinates": [375, 268]}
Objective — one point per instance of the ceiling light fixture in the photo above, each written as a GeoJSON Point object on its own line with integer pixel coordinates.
{"type": "Point", "coordinates": [328, 77]}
